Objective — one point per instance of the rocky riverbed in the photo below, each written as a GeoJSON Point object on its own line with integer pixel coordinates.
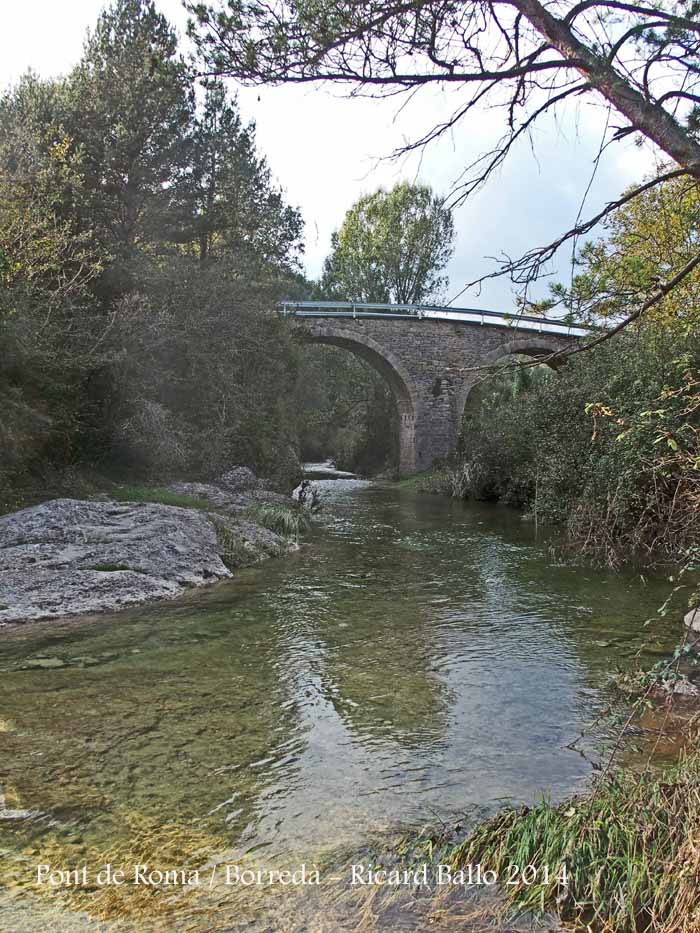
{"type": "Point", "coordinates": [71, 556]}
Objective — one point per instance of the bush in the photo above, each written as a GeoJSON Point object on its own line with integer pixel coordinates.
{"type": "Point", "coordinates": [608, 447]}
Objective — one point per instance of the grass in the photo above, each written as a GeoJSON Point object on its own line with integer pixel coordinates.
{"type": "Point", "coordinates": [159, 495]}
{"type": "Point", "coordinates": [286, 520]}
{"type": "Point", "coordinates": [417, 481]}
{"type": "Point", "coordinates": [631, 851]}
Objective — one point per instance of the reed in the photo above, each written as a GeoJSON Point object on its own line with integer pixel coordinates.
{"type": "Point", "coordinates": [631, 852]}
{"type": "Point", "coordinates": [286, 520]}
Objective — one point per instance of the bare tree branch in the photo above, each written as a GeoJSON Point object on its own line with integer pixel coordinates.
{"type": "Point", "coordinates": [557, 357]}
{"type": "Point", "coordinates": [528, 267]}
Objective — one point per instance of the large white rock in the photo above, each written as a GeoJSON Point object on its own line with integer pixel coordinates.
{"type": "Point", "coordinates": [70, 556]}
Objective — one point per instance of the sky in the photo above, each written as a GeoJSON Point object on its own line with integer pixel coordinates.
{"type": "Point", "coordinates": [326, 150]}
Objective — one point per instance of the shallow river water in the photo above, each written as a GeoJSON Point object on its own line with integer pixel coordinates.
{"type": "Point", "coordinates": [417, 660]}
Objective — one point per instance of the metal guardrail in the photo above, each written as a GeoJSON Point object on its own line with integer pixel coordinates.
{"type": "Point", "coordinates": [356, 309]}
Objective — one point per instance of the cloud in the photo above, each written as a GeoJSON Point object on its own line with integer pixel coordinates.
{"type": "Point", "coordinates": [327, 150]}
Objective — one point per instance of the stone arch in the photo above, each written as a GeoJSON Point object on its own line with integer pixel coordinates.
{"type": "Point", "coordinates": [527, 346]}
{"type": "Point", "coordinates": [389, 368]}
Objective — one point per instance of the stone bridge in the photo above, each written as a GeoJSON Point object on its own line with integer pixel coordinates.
{"type": "Point", "coordinates": [429, 357]}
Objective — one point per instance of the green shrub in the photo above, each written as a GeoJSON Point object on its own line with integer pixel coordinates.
{"type": "Point", "coordinates": [286, 520]}
{"type": "Point", "coordinates": [608, 447]}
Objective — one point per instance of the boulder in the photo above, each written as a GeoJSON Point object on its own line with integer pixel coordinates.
{"type": "Point", "coordinates": [285, 475]}
{"type": "Point", "coordinates": [217, 497]}
{"type": "Point", "coordinates": [223, 499]}
{"type": "Point", "coordinates": [239, 479]}
{"type": "Point", "coordinates": [70, 556]}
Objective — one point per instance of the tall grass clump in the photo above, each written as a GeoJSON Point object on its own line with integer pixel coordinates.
{"type": "Point", "coordinates": [631, 852]}
{"type": "Point", "coordinates": [286, 520]}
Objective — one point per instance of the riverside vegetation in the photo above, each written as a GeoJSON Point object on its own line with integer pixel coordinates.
{"type": "Point", "coordinates": [630, 851]}
{"type": "Point", "coordinates": [142, 240]}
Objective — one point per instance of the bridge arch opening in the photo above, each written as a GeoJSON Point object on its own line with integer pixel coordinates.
{"type": "Point", "coordinates": [491, 390]}
{"type": "Point", "coordinates": [507, 353]}
{"type": "Point", "coordinates": [393, 374]}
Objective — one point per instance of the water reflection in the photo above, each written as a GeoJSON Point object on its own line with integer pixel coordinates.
{"type": "Point", "coordinates": [418, 656]}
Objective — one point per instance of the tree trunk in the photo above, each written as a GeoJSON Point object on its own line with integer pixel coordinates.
{"type": "Point", "coordinates": [647, 117]}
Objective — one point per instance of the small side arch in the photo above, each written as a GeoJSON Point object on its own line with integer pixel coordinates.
{"type": "Point", "coordinates": [525, 346]}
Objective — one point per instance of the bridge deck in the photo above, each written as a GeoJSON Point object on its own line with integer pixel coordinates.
{"type": "Point", "coordinates": [352, 309]}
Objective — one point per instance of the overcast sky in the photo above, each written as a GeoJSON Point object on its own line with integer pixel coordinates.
{"type": "Point", "coordinates": [326, 150]}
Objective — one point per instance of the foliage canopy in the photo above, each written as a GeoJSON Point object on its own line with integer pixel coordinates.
{"type": "Point", "coordinates": [143, 241]}
{"type": "Point", "coordinates": [392, 247]}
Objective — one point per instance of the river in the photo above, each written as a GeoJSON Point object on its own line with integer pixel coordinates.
{"type": "Point", "coordinates": [418, 659]}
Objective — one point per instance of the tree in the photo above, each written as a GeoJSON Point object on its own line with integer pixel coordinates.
{"type": "Point", "coordinates": [130, 104]}
{"type": "Point", "coordinates": [231, 207]}
{"type": "Point", "coordinates": [649, 239]}
{"type": "Point", "coordinates": [391, 247]}
{"type": "Point", "coordinates": [121, 344]}
{"type": "Point", "coordinates": [164, 172]}
{"type": "Point", "coordinates": [44, 254]}
{"type": "Point", "coordinates": [48, 265]}
{"type": "Point", "coordinates": [520, 55]}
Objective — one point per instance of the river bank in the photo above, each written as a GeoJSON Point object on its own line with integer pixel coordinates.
{"type": "Point", "coordinates": [622, 856]}
{"type": "Point", "coordinates": [68, 557]}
